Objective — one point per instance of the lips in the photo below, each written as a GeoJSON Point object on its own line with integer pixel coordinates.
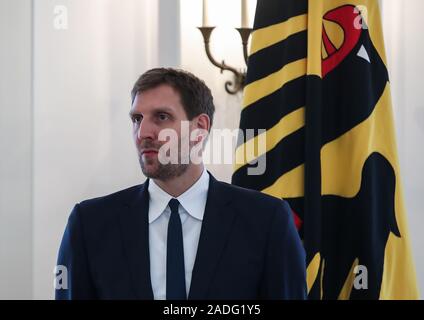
{"type": "Point", "coordinates": [149, 152]}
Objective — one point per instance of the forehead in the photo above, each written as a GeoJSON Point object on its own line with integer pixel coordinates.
{"type": "Point", "coordinates": [159, 97]}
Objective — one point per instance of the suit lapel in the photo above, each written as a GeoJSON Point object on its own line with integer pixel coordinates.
{"type": "Point", "coordinates": [217, 223]}
{"type": "Point", "coordinates": [135, 235]}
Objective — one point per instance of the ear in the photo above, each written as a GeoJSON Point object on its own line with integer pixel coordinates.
{"type": "Point", "coordinates": [202, 123]}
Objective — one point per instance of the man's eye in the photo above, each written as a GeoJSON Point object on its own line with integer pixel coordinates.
{"type": "Point", "coordinates": [163, 116]}
{"type": "Point", "coordinates": [136, 119]}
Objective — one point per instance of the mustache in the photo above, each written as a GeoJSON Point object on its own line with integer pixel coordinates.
{"type": "Point", "coordinates": [149, 144]}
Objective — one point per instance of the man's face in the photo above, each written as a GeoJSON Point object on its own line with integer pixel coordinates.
{"type": "Point", "coordinates": [153, 111]}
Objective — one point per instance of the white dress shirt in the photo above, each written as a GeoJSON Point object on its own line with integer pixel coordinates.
{"type": "Point", "coordinates": [191, 210]}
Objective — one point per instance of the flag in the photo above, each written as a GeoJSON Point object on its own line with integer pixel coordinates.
{"type": "Point", "coordinates": [317, 82]}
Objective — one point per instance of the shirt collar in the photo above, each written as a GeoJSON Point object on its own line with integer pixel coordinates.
{"type": "Point", "coordinates": [192, 200]}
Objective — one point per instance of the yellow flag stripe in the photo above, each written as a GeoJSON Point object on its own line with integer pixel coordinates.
{"type": "Point", "coordinates": [312, 271]}
{"type": "Point", "coordinates": [265, 37]}
{"type": "Point", "coordinates": [322, 279]}
{"type": "Point", "coordinates": [287, 125]}
{"type": "Point", "coordinates": [289, 185]}
{"type": "Point", "coordinates": [399, 267]}
{"type": "Point", "coordinates": [271, 83]}
{"type": "Point", "coordinates": [348, 285]}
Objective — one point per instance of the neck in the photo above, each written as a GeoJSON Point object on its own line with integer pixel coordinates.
{"type": "Point", "coordinates": [178, 185]}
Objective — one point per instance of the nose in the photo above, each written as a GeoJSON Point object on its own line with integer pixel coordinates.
{"type": "Point", "coordinates": [146, 130]}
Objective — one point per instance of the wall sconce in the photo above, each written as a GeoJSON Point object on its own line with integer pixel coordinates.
{"type": "Point", "coordinates": [232, 87]}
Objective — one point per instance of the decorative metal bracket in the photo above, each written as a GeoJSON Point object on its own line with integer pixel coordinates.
{"type": "Point", "coordinates": [232, 87]}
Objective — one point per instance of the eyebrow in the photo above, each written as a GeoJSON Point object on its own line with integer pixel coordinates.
{"type": "Point", "coordinates": [159, 109]}
{"type": "Point", "coordinates": [132, 114]}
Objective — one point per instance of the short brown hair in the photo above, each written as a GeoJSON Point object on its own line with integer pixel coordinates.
{"type": "Point", "coordinates": [196, 97]}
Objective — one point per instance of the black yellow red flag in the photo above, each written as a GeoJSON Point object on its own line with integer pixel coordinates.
{"type": "Point", "coordinates": [317, 82]}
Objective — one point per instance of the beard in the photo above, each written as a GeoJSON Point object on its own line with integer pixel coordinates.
{"type": "Point", "coordinates": [154, 169]}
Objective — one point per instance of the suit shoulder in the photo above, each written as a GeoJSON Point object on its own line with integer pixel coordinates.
{"type": "Point", "coordinates": [100, 212]}
{"type": "Point", "coordinates": [250, 197]}
{"type": "Point", "coordinates": [121, 196]}
{"type": "Point", "coordinates": [257, 212]}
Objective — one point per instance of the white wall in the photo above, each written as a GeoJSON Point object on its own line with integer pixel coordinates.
{"type": "Point", "coordinates": [16, 150]}
{"type": "Point", "coordinates": [83, 76]}
{"type": "Point", "coordinates": [64, 95]}
{"type": "Point", "coordinates": [65, 132]}
{"type": "Point", "coordinates": [169, 40]}
{"type": "Point", "coordinates": [403, 26]}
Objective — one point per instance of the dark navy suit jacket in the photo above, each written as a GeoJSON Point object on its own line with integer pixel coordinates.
{"type": "Point", "coordinates": [248, 248]}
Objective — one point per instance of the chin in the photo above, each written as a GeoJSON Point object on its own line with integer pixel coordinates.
{"type": "Point", "coordinates": [149, 169]}
{"type": "Point", "coordinates": [150, 172]}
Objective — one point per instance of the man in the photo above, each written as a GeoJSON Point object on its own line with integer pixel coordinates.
{"type": "Point", "coordinates": [181, 234]}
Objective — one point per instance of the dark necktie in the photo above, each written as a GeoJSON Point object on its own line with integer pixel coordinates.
{"type": "Point", "coordinates": [175, 270]}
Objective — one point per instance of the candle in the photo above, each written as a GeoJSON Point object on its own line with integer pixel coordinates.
{"type": "Point", "coordinates": [244, 14]}
{"type": "Point", "coordinates": [205, 13]}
